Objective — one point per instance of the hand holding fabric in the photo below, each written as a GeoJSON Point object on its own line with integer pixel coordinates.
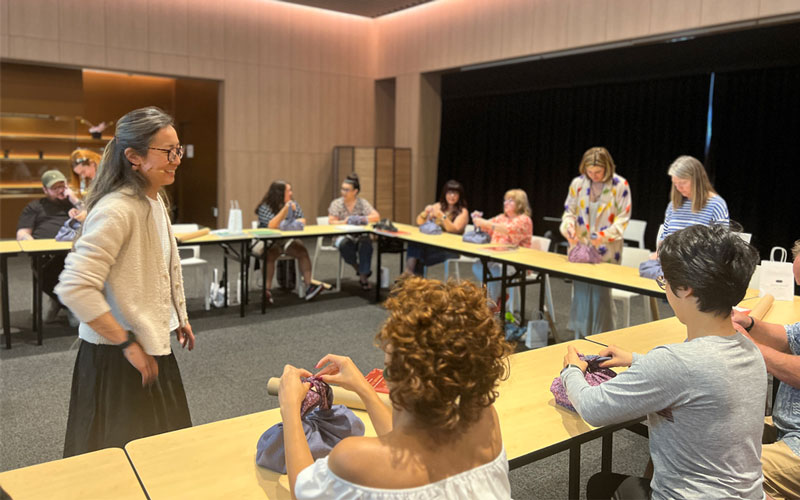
{"type": "Point", "coordinates": [619, 357]}
{"type": "Point", "coordinates": [572, 358]}
{"type": "Point", "coordinates": [292, 389]}
{"type": "Point", "coordinates": [340, 370]}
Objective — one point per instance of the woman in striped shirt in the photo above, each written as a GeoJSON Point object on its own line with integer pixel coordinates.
{"type": "Point", "coordinates": [693, 199]}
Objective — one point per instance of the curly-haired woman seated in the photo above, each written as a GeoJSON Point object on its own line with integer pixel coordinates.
{"type": "Point", "coordinates": [444, 356]}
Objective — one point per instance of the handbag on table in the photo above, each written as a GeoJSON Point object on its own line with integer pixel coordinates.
{"type": "Point", "coordinates": [290, 222]}
{"type": "Point", "coordinates": [477, 236]}
{"type": "Point", "coordinates": [430, 227]}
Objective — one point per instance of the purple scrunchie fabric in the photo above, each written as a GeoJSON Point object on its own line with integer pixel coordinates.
{"type": "Point", "coordinates": [430, 227]}
{"type": "Point", "coordinates": [290, 223]}
{"type": "Point", "coordinates": [319, 395]}
{"type": "Point", "coordinates": [357, 220]}
{"type": "Point", "coordinates": [586, 254]}
{"type": "Point", "coordinates": [594, 376]}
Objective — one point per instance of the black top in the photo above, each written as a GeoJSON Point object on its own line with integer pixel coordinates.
{"type": "Point", "coordinates": [45, 217]}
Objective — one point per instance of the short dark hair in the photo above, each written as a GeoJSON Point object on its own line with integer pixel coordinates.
{"type": "Point", "coordinates": [352, 179]}
{"type": "Point", "coordinates": [711, 260]}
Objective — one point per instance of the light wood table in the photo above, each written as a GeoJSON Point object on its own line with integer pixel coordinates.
{"type": "Point", "coordinates": [216, 460]}
{"type": "Point", "coordinates": [7, 249]}
{"type": "Point", "coordinates": [99, 474]}
{"type": "Point", "coordinates": [643, 338]}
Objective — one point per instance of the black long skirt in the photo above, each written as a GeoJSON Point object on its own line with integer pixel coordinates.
{"type": "Point", "coordinates": [108, 406]}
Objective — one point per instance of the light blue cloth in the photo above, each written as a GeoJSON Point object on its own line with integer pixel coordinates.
{"type": "Point", "coordinates": [592, 310]}
{"type": "Point", "coordinates": [786, 410]}
{"type": "Point", "coordinates": [323, 428]}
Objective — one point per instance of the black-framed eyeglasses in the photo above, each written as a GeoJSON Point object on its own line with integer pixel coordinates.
{"type": "Point", "coordinates": [172, 154]}
{"type": "Point", "coordinates": [81, 161]}
{"type": "Point", "coordinates": [662, 282]}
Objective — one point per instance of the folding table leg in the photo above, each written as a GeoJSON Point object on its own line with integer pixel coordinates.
{"type": "Point", "coordinates": [575, 471]}
{"type": "Point", "coordinates": [608, 449]}
{"type": "Point", "coordinates": [6, 312]}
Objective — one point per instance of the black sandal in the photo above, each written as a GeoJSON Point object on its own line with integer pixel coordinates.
{"type": "Point", "coordinates": [366, 286]}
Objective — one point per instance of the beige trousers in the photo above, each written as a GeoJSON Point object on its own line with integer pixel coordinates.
{"type": "Point", "coordinates": [781, 471]}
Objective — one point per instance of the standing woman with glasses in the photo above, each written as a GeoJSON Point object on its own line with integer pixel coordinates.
{"type": "Point", "coordinates": [84, 167]}
{"type": "Point", "coordinates": [596, 212]}
{"type": "Point", "coordinates": [123, 281]}
{"type": "Point", "coordinates": [351, 209]}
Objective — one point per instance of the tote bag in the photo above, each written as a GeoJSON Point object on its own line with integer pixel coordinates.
{"type": "Point", "coordinates": [777, 278]}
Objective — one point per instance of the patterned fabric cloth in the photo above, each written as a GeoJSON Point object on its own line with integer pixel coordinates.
{"type": "Point", "coordinates": [610, 220]}
{"type": "Point", "coordinates": [786, 413]}
{"type": "Point", "coordinates": [520, 230]}
{"type": "Point", "coordinates": [265, 214]}
{"type": "Point", "coordinates": [338, 209]}
{"type": "Point", "coordinates": [716, 210]}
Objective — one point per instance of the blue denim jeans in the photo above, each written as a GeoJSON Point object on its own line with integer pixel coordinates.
{"type": "Point", "coordinates": [358, 253]}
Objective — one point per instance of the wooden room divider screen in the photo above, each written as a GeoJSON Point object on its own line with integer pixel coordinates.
{"type": "Point", "coordinates": [384, 174]}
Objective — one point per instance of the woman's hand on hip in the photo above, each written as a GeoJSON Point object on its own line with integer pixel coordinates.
{"type": "Point", "coordinates": [145, 363]}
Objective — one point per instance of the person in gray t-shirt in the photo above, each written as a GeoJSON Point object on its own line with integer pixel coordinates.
{"type": "Point", "coordinates": [780, 346]}
{"type": "Point", "coordinates": [704, 398]}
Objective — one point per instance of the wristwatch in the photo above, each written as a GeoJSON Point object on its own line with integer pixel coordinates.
{"type": "Point", "coordinates": [752, 323]}
{"type": "Point", "coordinates": [131, 339]}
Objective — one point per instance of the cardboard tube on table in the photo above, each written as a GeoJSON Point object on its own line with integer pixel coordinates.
{"type": "Point", "coordinates": [184, 237]}
{"type": "Point", "coordinates": [341, 396]}
{"type": "Point", "coordinates": [762, 308]}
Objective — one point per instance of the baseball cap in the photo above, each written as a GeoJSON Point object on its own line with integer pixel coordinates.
{"type": "Point", "coordinates": [51, 177]}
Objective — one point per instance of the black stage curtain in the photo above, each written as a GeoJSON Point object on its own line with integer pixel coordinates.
{"type": "Point", "coordinates": [535, 140]}
{"type": "Point", "coordinates": [754, 151]}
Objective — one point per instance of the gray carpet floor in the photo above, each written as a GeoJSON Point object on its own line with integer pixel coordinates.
{"type": "Point", "coordinates": [226, 374]}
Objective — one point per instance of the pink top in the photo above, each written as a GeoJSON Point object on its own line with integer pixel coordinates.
{"type": "Point", "coordinates": [520, 230]}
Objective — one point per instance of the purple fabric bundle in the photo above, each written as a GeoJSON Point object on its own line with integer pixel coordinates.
{"type": "Point", "coordinates": [323, 429]}
{"type": "Point", "coordinates": [594, 376]}
{"type": "Point", "coordinates": [290, 223]}
{"type": "Point", "coordinates": [586, 254]}
{"type": "Point", "coordinates": [319, 395]}
{"type": "Point", "coordinates": [357, 220]}
{"type": "Point", "coordinates": [430, 227]}
{"type": "Point", "coordinates": [650, 269]}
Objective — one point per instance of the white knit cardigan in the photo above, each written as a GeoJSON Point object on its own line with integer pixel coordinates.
{"type": "Point", "coordinates": [117, 265]}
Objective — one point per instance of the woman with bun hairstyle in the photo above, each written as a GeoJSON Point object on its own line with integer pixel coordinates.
{"type": "Point", "coordinates": [444, 356]}
{"type": "Point", "coordinates": [352, 209]}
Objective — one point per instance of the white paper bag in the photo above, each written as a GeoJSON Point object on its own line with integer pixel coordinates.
{"type": "Point", "coordinates": [235, 218]}
{"type": "Point", "coordinates": [777, 278]}
{"type": "Point", "coordinates": [537, 332]}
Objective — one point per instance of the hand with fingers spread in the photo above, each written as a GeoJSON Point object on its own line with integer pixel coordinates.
{"type": "Point", "coordinates": [185, 336]}
{"type": "Point", "coordinates": [292, 390]}
{"type": "Point", "coordinates": [145, 363]}
{"type": "Point", "coordinates": [619, 357]}
{"type": "Point", "coordinates": [341, 371]}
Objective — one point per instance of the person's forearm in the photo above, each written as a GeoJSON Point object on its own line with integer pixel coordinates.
{"type": "Point", "coordinates": [298, 454]}
{"type": "Point", "coordinates": [770, 334]}
{"type": "Point", "coordinates": [785, 367]}
{"type": "Point", "coordinates": [373, 217]}
{"type": "Point", "coordinates": [108, 327]}
{"type": "Point", "coordinates": [332, 219]}
{"type": "Point", "coordinates": [379, 413]}
{"type": "Point", "coordinates": [275, 222]}
{"type": "Point", "coordinates": [24, 234]}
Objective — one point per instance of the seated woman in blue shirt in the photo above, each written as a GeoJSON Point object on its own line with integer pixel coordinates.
{"type": "Point", "coordinates": [273, 209]}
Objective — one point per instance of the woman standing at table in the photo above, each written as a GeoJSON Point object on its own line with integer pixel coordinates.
{"type": "Point", "coordinates": [450, 213]}
{"type": "Point", "coordinates": [123, 281]}
{"type": "Point", "coordinates": [444, 358]}
{"type": "Point", "coordinates": [352, 209]}
{"type": "Point", "coordinates": [513, 227]}
{"type": "Point", "coordinates": [596, 212]}
{"type": "Point", "coordinates": [276, 205]}
{"type": "Point", "coordinates": [692, 198]}
{"type": "Point", "coordinates": [84, 167]}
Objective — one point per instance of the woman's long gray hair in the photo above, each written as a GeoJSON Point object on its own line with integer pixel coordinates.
{"type": "Point", "coordinates": [134, 130]}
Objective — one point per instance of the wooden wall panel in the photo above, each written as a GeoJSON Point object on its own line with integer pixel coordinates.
{"type": "Point", "coordinates": [127, 59]}
{"type": "Point", "coordinates": [82, 54]}
{"type": "Point", "coordinates": [550, 26]}
{"type": "Point", "coordinates": [4, 17]}
{"type": "Point", "coordinates": [241, 31]}
{"type": "Point", "coordinates": [627, 19]}
{"type": "Point", "coordinates": [33, 18]}
{"type": "Point", "coordinates": [725, 11]}
{"type": "Point", "coordinates": [587, 22]}
{"type": "Point", "coordinates": [778, 7]}
{"type": "Point", "coordinates": [36, 49]}
{"type": "Point", "coordinates": [126, 25]}
{"type": "Point", "coordinates": [167, 22]}
{"type": "Point", "coordinates": [384, 112]}
{"type": "Point", "coordinates": [206, 29]}
{"type": "Point", "coordinates": [241, 117]}
{"type": "Point", "coordinates": [201, 67]}
{"type": "Point", "coordinates": [384, 182]}
{"type": "Point", "coordinates": [275, 91]}
{"type": "Point", "coordinates": [402, 186]}
{"type": "Point", "coordinates": [364, 166]}
{"type": "Point", "coordinates": [82, 22]}
{"type": "Point", "coordinates": [275, 34]}
{"type": "Point", "coordinates": [168, 64]}
{"type": "Point", "coordinates": [674, 15]}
